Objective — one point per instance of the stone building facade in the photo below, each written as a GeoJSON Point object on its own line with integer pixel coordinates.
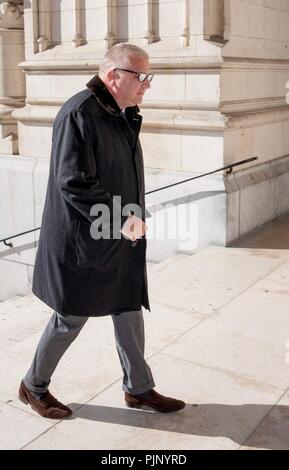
{"type": "Point", "coordinates": [219, 96]}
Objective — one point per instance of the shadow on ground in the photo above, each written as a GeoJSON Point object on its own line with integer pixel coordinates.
{"type": "Point", "coordinates": [207, 420]}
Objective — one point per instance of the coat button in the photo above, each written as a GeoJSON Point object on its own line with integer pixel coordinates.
{"type": "Point", "coordinates": [133, 244]}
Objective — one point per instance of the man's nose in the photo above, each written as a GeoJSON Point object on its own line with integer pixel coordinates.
{"type": "Point", "coordinates": [147, 84]}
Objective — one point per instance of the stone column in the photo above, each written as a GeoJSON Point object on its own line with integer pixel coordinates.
{"type": "Point", "coordinates": [44, 25]}
{"type": "Point", "coordinates": [151, 34]}
{"type": "Point", "coordinates": [214, 21]}
{"type": "Point", "coordinates": [111, 22]}
{"type": "Point", "coordinates": [185, 37]}
{"type": "Point", "coordinates": [12, 80]}
{"type": "Point", "coordinates": [78, 39]}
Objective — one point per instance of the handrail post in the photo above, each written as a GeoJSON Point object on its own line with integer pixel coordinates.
{"type": "Point", "coordinates": [8, 243]}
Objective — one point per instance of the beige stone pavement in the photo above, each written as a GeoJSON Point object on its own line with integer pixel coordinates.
{"type": "Point", "coordinates": [217, 337]}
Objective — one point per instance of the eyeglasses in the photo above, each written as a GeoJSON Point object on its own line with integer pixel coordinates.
{"type": "Point", "coordinates": [142, 77]}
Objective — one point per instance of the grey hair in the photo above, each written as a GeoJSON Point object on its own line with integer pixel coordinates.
{"type": "Point", "coordinates": [119, 56]}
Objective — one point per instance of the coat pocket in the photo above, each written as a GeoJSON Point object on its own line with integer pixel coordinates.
{"type": "Point", "coordinates": [98, 254]}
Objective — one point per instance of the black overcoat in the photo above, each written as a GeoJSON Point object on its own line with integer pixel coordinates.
{"type": "Point", "coordinates": [96, 154]}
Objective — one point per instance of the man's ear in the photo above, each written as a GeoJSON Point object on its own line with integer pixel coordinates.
{"type": "Point", "coordinates": [111, 75]}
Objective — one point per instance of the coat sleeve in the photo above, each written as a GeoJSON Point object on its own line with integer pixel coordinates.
{"type": "Point", "coordinates": [74, 167]}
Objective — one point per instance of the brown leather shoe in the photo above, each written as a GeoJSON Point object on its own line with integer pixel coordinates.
{"type": "Point", "coordinates": [47, 406]}
{"type": "Point", "coordinates": [156, 401]}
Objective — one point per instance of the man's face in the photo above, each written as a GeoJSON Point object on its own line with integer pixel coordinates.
{"type": "Point", "coordinates": [127, 89]}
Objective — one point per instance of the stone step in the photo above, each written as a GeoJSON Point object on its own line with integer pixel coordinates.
{"type": "Point", "coordinates": [209, 279]}
{"type": "Point", "coordinates": [5, 304]}
{"type": "Point", "coordinates": [199, 284]}
{"type": "Point", "coordinates": [13, 305]}
{"type": "Point", "coordinates": [177, 258]}
{"type": "Point", "coordinates": [20, 311]}
{"type": "Point", "coordinates": [24, 317]}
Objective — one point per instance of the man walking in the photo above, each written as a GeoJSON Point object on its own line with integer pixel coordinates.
{"type": "Point", "coordinates": [96, 161]}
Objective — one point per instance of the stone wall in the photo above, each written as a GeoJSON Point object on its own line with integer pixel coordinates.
{"type": "Point", "coordinates": [254, 81]}
{"type": "Point", "coordinates": [65, 43]}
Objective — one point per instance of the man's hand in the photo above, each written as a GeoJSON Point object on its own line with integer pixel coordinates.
{"type": "Point", "coordinates": [133, 228]}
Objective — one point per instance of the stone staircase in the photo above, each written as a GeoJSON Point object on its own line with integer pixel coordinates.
{"type": "Point", "coordinates": [219, 326]}
{"type": "Point", "coordinates": [202, 283]}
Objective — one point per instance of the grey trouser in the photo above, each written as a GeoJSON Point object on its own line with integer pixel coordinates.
{"type": "Point", "coordinates": [62, 330]}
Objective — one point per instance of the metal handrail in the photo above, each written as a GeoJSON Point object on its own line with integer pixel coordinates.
{"type": "Point", "coordinates": [229, 169]}
{"type": "Point", "coordinates": [4, 240]}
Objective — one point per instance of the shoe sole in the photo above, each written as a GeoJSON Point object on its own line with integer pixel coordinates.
{"type": "Point", "coordinates": [150, 408]}
{"type": "Point", "coordinates": [130, 405]}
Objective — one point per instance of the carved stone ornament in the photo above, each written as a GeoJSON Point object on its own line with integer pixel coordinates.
{"type": "Point", "coordinates": [11, 15]}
